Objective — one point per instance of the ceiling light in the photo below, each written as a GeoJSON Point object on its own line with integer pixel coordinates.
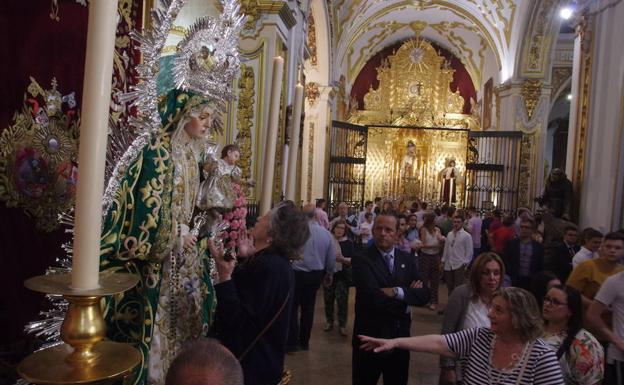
{"type": "Point", "coordinates": [566, 13]}
{"type": "Point", "coordinates": [569, 96]}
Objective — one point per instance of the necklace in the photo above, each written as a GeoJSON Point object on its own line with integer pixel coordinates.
{"type": "Point", "coordinates": [500, 376]}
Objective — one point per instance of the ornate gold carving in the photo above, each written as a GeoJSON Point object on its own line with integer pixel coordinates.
{"type": "Point", "coordinates": [312, 40]}
{"type": "Point", "coordinates": [251, 11]}
{"type": "Point", "coordinates": [310, 161]}
{"type": "Point", "coordinates": [341, 99]}
{"type": "Point", "coordinates": [312, 92]}
{"type": "Point", "coordinates": [559, 76]}
{"type": "Point", "coordinates": [244, 118]}
{"type": "Point", "coordinates": [38, 171]}
{"type": "Point", "coordinates": [414, 91]}
{"type": "Point", "coordinates": [391, 171]}
{"type": "Point", "coordinates": [473, 24]}
{"type": "Point", "coordinates": [585, 34]}
{"type": "Point", "coordinates": [531, 92]}
{"type": "Point", "coordinates": [539, 40]}
{"type": "Point", "coordinates": [525, 170]}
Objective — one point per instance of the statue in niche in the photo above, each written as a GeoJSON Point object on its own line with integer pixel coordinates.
{"type": "Point", "coordinates": [408, 170]}
{"type": "Point", "coordinates": [449, 177]}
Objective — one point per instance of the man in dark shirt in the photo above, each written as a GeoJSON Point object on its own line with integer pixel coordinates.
{"type": "Point", "coordinates": [562, 253]}
{"type": "Point", "coordinates": [523, 256]}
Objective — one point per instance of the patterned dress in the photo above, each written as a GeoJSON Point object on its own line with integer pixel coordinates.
{"type": "Point", "coordinates": [142, 234]}
{"type": "Point", "coordinates": [583, 364]}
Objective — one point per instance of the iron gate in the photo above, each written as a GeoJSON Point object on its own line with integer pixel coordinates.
{"type": "Point", "coordinates": [493, 170]}
{"type": "Point", "coordinates": [347, 164]}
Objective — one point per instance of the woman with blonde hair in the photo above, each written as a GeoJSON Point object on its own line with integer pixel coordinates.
{"type": "Point", "coordinates": [508, 352]}
{"type": "Point", "coordinates": [469, 305]}
{"type": "Point", "coordinates": [429, 256]}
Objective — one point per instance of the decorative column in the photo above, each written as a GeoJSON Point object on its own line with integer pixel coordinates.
{"type": "Point", "coordinates": [271, 136]}
{"type": "Point", "coordinates": [291, 179]}
{"type": "Point", "coordinates": [599, 173]}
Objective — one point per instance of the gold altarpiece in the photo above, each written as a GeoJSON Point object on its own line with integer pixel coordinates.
{"type": "Point", "coordinates": [414, 107]}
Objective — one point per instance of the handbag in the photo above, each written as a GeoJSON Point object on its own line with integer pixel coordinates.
{"type": "Point", "coordinates": [253, 343]}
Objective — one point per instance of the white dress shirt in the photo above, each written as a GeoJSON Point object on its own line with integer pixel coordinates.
{"type": "Point", "coordinates": [457, 249]}
{"type": "Point", "coordinates": [583, 255]}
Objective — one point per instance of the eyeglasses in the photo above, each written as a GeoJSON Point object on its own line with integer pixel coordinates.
{"type": "Point", "coordinates": [553, 301]}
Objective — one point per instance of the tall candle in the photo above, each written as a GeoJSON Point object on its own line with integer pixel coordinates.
{"type": "Point", "coordinates": [271, 136]}
{"type": "Point", "coordinates": [93, 136]}
{"type": "Point", "coordinates": [291, 179]}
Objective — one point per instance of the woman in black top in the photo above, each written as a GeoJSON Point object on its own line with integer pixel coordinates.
{"type": "Point", "coordinates": [253, 302]}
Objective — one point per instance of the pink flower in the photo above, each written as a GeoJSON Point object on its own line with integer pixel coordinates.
{"type": "Point", "coordinates": [231, 245]}
{"type": "Point", "coordinates": [243, 212]}
{"type": "Point", "coordinates": [233, 235]}
{"type": "Point", "coordinates": [228, 216]}
{"type": "Point", "coordinates": [234, 224]}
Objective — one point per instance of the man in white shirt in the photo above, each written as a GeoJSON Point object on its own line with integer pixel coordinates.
{"type": "Point", "coordinates": [611, 295]}
{"type": "Point", "coordinates": [368, 208]}
{"type": "Point", "coordinates": [592, 239]}
{"type": "Point", "coordinates": [457, 254]}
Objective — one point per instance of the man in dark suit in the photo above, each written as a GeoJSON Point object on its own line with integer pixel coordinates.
{"type": "Point", "coordinates": [386, 282]}
{"type": "Point", "coordinates": [562, 253]}
{"type": "Point", "coordinates": [523, 256]}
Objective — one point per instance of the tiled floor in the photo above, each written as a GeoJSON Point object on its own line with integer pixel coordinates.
{"type": "Point", "coordinates": [328, 362]}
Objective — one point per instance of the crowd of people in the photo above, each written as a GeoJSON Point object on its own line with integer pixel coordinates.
{"type": "Point", "coordinates": [518, 312]}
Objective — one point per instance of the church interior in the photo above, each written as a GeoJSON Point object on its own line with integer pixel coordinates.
{"type": "Point", "coordinates": [462, 103]}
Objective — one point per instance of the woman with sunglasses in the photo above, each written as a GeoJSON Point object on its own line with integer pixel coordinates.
{"type": "Point", "coordinates": [580, 355]}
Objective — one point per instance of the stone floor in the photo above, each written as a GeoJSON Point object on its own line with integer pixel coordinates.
{"type": "Point", "coordinates": [328, 361]}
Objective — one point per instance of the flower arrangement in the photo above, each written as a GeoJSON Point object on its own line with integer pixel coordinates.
{"type": "Point", "coordinates": [236, 218]}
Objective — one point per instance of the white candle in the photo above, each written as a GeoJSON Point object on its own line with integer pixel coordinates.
{"type": "Point", "coordinates": [93, 137]}
{"type": "Point", "coordinates": [271, 136]}
{"type": "Point", "coordinates": [291, 179]}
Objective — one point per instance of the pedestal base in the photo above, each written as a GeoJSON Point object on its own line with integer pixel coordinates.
{"type": "Point", "coordinates": [114, 360]}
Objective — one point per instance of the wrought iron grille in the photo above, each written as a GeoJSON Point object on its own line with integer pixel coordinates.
{"type": "Point", "coordinates": [493, 170]}
{"type": "Point", "coordinates": [347, 164]}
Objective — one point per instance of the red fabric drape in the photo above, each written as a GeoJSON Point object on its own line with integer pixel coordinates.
{"type": "Point", "coordinates": [367, 77]}
{"type": "Point", "coordinates": [33, 45]}
{"type": "Point", "coordinates": [37, 46]}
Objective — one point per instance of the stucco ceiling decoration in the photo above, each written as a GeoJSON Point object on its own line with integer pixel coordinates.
{"type": "Point", "coordinates": [474, 30]}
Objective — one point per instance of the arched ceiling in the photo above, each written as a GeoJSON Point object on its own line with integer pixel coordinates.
{"type": "Point", "coordinates": [479, 32]}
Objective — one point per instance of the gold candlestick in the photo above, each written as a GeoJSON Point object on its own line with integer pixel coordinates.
{"type": "Point", "coordinates": [84, 357]}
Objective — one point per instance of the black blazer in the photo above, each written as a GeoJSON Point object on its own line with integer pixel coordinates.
{"type": "Point", "coordinates": [560, 260]}
{"type": "Point", "coordinates": [376, 314]}
{"type": "Point", "coordinates": [511, 257]}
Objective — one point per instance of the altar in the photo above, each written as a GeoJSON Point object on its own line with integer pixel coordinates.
{"type": "Point", "coordinates": [417, 128]}
{"type": "Point", "coordinates": [412, 163]}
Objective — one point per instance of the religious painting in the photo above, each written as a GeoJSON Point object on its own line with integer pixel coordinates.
{"type": "Point", "coordinates": [488, 91]}
{"type": "Point", "coordinates": [416, 163]}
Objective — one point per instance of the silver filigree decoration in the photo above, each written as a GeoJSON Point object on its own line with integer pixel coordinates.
{"type": "Point", "coordinates": [48, 328]}
{"type": "Point", "coordinates": [207, 60]}
{"type": "Point", "coordinates": [144, 95]}
{"type": "Point", "coordinates": [206, 63]}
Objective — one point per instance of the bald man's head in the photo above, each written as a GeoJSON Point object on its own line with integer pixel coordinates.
{"type": "Point", "coordinates": [204, 362]}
